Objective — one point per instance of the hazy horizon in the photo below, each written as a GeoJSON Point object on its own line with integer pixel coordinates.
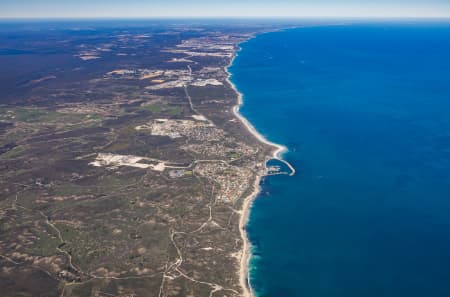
{"type": "Point", "coordinates": [29, 9]}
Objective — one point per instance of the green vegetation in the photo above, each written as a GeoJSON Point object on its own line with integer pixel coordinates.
{"type": "Point", "coordinates": [15, 152]}
{"type": "Point", "coordinates": [16, 135]}
{"type": "Point", "coordinates": [235, 155]}
{"type": "Point", "coordinates": [68, 233]}
{"type": "Point", "coordinates": [45, 246]}
{"type": "Point", "coordinates": [164, 109]}
{"type": "Point", "coordinates": [33, 115]}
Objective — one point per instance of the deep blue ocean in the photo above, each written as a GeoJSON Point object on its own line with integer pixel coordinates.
{"type": "Point", "coordinates": [364, 110]}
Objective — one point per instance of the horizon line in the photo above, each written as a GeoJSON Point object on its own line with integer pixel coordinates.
{"type": "Point", "coordinates": [219, 17]}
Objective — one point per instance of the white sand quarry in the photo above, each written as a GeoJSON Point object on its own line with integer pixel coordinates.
{"type": "Point", "coordinates": [114, 160]}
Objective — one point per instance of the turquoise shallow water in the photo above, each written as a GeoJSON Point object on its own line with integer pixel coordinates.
{"type": "Point", "coordinates": [365, 113]}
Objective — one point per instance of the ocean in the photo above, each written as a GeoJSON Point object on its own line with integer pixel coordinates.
{"type": "Point", "coordinates": [364, 110]}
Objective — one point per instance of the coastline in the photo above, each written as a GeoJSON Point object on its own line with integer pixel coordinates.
{"type": "Point", "coordinates": [244, 276]}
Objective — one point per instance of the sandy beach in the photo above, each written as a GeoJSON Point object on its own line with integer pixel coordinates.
{"type": "Point", "coordinates": [277, 154]}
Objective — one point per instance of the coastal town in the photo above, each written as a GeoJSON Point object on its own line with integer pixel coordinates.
{"type": "Point", "coordinates": [127, 169]}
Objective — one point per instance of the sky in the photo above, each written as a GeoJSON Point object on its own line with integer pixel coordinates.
{"type": "Point", "coordinates": [222, 8]}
